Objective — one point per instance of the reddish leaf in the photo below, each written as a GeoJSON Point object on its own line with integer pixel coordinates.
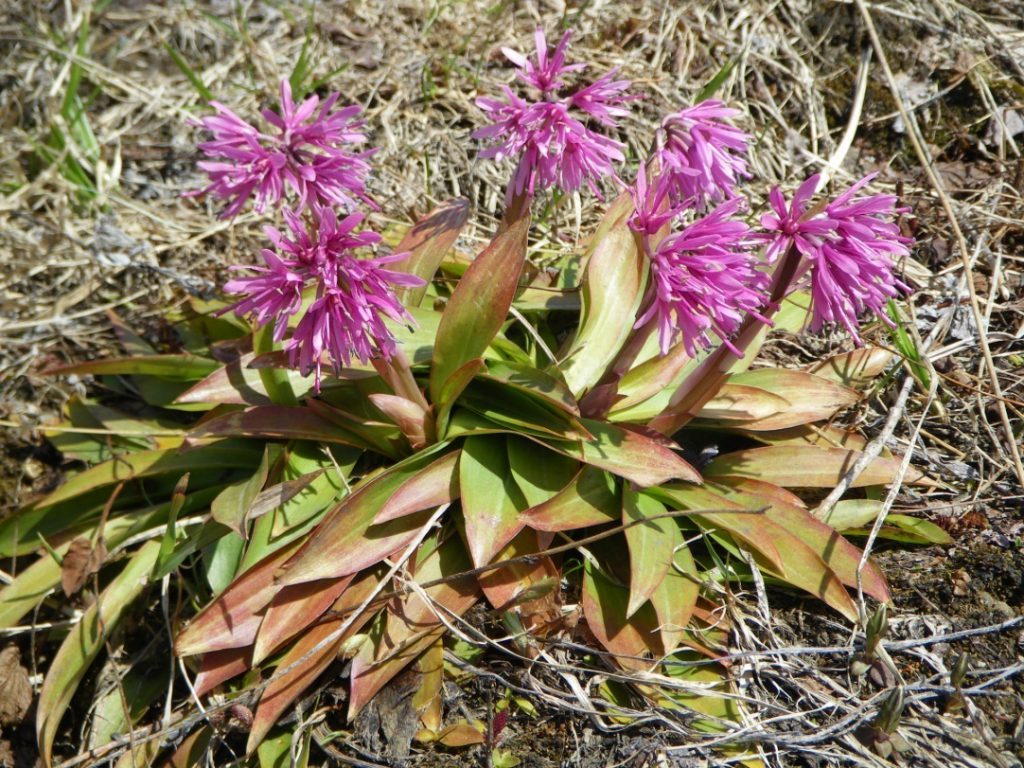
{"type": "Point", "coordinates": [234, 383]}
{"type": "Point", "coordinates": [276, 421]}
{"type": "Point", "coordinates": [628, 453]}
{"type": "Point", "coordinates": [739, 403]}
{"type": "Point", "coordinates": [292, 609]}
{"type": "Point", "coordinates": [217, 667]}
{"type": "Point", "coordinates": [232, 620]}
{"type": "Point", "coordinates": [629, 639]}
{"type": "Point", "coordinates": [427, 242]}
{"type": "Point", "coordinates": [811, 398]}
{"type": "Point", "coordinates": [800, 466]}
{"type": "Point", "coordinates": [431, 487]}
{"type": "Point", "coordinates": [856, 368]}
{"type": "Point", "coordinates": [409, 416]}
{"type": "Point", "coordinates": [590, 499]}
{"type": "Point", "coordinates": [478, 306]}
{"type": "Point", "coordinates": [452, 387]}
{"type": "Point", "coordinates": [675, 598]}
{"type": "Point", "coordinates": [509, 585]}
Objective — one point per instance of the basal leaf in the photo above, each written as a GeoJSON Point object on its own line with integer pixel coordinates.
{"type": "Point", "coordinates": [507, 586]}
{"type": "Point", "coordinates": [605, 608]}
{"type": "Point", "coordinates": [612, 288]}
{"type": "Point", "coordinates": [491, 501]}
{"type": "Point", "coordinates": [83, 644]}
{"type": "Point", "coordinates": [591, 498]}
{"type": "Point", "coordinates": [478, 306]}
{"type": "Point", "coordinates": [539, 472]}
{"type": "Point", "coordinates": [810, 398]}
{"type": "Point", "coordinates": [277, 422]}
{"type": "Point", "coordinates": [740, 404]}
{"type": "Point", "coordinates": [436, 484]}
{"type": "Point", "coordinates": [675, 598]}
{"type": "Point", "coordinates": [533, 382]}
{"type": "Point", "coordinates": [807, 466]}
{"type": "Point", "coordinates": [857, 368]}
{"type": "Point", "coordinates": [292, 610]}
{"type": "Point", "coordinates": [427, 242]}
{"type": "Point", "coordinates": [170, 367]}
{"type": "Point", "coordinates": [649, 543]}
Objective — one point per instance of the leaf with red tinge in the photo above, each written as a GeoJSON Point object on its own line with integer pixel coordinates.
{"type": "Point", "coordinates": [276, 421]}
{"type": "Point", "coordinates": [233, 383]}
{"type": "Point", "coordinates": [81, 561]}
{"type": "Point", "coordinates": [859, 367]}
{"type": "Point", "coordinates": [533, 382]}
{"type": "Point", "coordinates": [811, 398]}
{"type": "Point", "coordinates": [452, 387]}
{"type": "Point", "coordinates": [170, 367]}
{"type": "Point", "coordinates": [478, 306]}
{"type": "Point", "coordinates": [739, 403]}
{"type": "Point", "coordinates": [305, 663]}
{"type": "Point", "coordinates": [807, 466]}
{"type": "Point", "coordinates": [628, 453]}
{"type": "Point", "coordinates": [539, 473]}
{"type": "Point", "coordinates": [410, 417]}
{"type": "Point", "coordinates": [412, 625]}
{"type": "Point", "coordinates": [649, 543]}
{"type": "Point", "coordinates": [217, 667]}
{"type": "Point", "coordinates": [292, 610]}
{"type": "Point", "coordinates": [232, 620]}
{"type": "Point", "coordinates": [427, 242]}
{"type": "Point", "coordinates": [590, 499]}
{"type": "Point", "coordinates": [429, 488]}
{"type": "Point", "coordinates": [84, 643]}
{"type": "Point", "coordinates": [491, 501]}
{"type": "Point", "coordinates": [675, 598]}
{"type": "Point", "coordinates": [838, 553]}
{"type": "Point", "coordinates": [604, 606]}
{"type": "Point", "coordinates": [611, 291]}
{"type": "Point", "coordinates": [338, 546]}
{"type": "Point", "coordinates": [506, 586]}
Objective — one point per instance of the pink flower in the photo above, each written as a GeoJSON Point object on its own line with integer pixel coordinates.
{"type": "Point", "coordinates": [305, 151]}
{"type": "Point", "coordinates": [549, 138]}
{"type": "Point", "coordinates": [702, 154]}
{"type": "Point", "coordinates": [705, 280]}
{"type": "Point", "coordinates": [352, 296]}
{"type": "Point", "coordinates": [651, 209]}
{"type": "Point", "coordinates": [850, 244]}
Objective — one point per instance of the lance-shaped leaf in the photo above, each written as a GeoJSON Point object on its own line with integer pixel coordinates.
{"type": "Point", "coordinates": [506, 586]}
{"type": "Point", "coordinates": [452, 388]}
{"type": "Point", "coordinates": [413, 625]}
{"type": "Point", "coordinates": [340, 544]}
{"type": "Point", "coordinates": [766, 539]}
{"type": "Point", "coordinates": [857, 368]}
{"type": "Point", "coordinates": [410, 417]}
{"type": "Point", "coordinates": [171, 367]}
{"type": "Point", "coordinates": [807, 466]}
{"type": "Point", "coordinates": [292, 610]}
{"type": "Point", "coordinates": [232, 505]}
{"type": "Point", "coordinates": [539, 472]}
{"type": "Point", "coordinates": [232, 620]}
{"type": "Point", "coordinates": [218, 667]}
{"type": "Point", "coordinates": [675, 598]}
{"type": "Point", "coordinates": [839, 554]}
{"type": "Point", "coordinates": [630, 639]}
{"type": "Point", "coordinates": [427, 700]}
{"type": "Point", "coordinates": [612, 288]}
{"type": "Point", "coordinates": [822, 435]}
{"type": "Point", "coordinates": [521, 411]}
{"type": "Point", "coordinates": [277, 421]}
{"type": "Point", "coordinates": [811, 398]}
{"type": "Point", "coordinates": [533, 382]}
{"type": "Point", "coordinates": [226, 454]}
{"type": "Point", "coordinates": [649, 542]}
{"type": "Point", "coordinates": [305, 661]}
{"type": "Point", "coordinates": [478, 306]}
{"type": "Point", "coordinates": [84, 643]}
{"type": "Point", "coordinates": [591, 498]}
{"type": "Point", "coordinates": [848, 514]}
{"type": "Point", "coordinates": [491, 500]}
{"type": "Point", "coordinates": [436, 484]}
{"type": "Point", "coordinates": [427, 242]}
{"type": "Point", "coordinates": [646, 460]}
{"type": "Point", "coordinates": [740, 404]}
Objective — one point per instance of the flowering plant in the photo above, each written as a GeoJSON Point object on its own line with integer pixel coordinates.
{"type": "Point", "coordinates": [352, 468]}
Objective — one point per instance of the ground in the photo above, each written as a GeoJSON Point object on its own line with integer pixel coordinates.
{"type": "Point", "coordinates": [92, 220]}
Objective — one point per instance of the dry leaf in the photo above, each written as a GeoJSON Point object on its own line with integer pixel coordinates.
{"type": "Point", "coordinates": [15, 688]}
{"type": "Point", "coordinates": [81, 561]}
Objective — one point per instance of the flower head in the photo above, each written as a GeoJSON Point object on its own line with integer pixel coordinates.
{"type": "Point", "coordinates": [549, 137]}
{"type": "Point", "coordinates": [850, 244]}
{"type": "Point", "coordinates": [705, 281]}
{"type": "Point", "coordinates": [307, 149]}
{"type": "Point", "coordinates": [651, 209]}
{"type": "Point", "coordinates": [352, 298]}
{"type": "Point", "coordinates": [702, 154]}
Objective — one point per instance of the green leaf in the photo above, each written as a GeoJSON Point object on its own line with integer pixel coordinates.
{"type": "Point", "coordinates": [738, 404]}
{"type": "Point", "coordinates": [591, 498]}
{"type": "Point", "coordinates": [169, 367]}
{"type": "Point", "coordinates": [717, 81]}
{"type": "Point", "coordinates": [908, 530]}
{"type": "Point", "coordinates": [649, 543]}
{"type": "Point", "coordinates": [85, 641]}
{"type": "Point", "coordinates": [478, 306]}
{"type": "Point", "coordinates": [427, 242]}
{"type": "Point", "coordinates": [232, 505]}
{"type": "Point", "coordinates": [675, 598]}
{"type": "Point", "coordinates": [490, 498]}
{"type": "Point", "coordinates": [857, 368]}
{"type": "Point", "coordinates": [539, 473]}
{"type": "Point", "coordinates": [431, 487]}
{"type": "Point", "coordinates": [645, 460]}
{"type": "Point", "coordinates": [611, 292]}
{"type": "Point", "coordinates": [226, 454]}
{"type": "Point", "coordinates": [452, 388]}
{"type": "Point", "coordinates": [204, 93]}
{"type": "Point", "coordinates": [629, 638]}
{"type": "Point", "coordinates": [278, 422]}
{"type": "Point", "coordinates": [533, 382]}
{"type": "Point", "coordinates": [177, 502]}
{"type": "Point", "coordinates": [222, 560]}
{"type": "Point", "coordinates": [849, 514]}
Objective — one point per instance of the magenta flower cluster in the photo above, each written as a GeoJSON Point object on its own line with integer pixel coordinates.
{"type": "Point", "coordinates": [552, 136]}
{"type": "Point", "coordinates": [316, 272]}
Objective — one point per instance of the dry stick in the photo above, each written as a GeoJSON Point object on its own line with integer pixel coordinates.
{"type": "Point", "coordinates": [914, 132]}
